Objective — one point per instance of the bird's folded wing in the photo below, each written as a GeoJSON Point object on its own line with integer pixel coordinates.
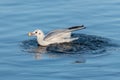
{"type": "Point", "coordinates": [55, 34]}
{"type": "Point", "coordinates": [60, 33]}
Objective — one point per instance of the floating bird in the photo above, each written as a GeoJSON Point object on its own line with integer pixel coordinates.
{"type": "Point", "coordinates": [55, 36]}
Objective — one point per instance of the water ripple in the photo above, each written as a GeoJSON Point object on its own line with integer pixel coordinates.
{"type": "Point", "coordinates": [86, 44]}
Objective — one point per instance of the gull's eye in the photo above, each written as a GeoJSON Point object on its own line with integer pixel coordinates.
{"type": "Point", "coordinates": [36, 32]}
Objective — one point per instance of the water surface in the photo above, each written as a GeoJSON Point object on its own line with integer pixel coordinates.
{"type": "Point", "coordinates": [95, 56]}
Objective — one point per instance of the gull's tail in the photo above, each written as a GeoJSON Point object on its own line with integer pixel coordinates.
{"type": "Point", "coordinates": [76, 28]}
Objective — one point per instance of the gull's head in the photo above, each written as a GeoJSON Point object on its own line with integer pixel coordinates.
{"type": "Point", "coordinates": [35, 33]}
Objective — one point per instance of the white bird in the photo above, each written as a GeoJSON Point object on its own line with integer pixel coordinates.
{"type": "Point", "coordinates": [56, 36]}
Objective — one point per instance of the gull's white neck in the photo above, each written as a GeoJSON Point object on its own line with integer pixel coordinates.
{"type": "Point", "coordinates": [40, 40]}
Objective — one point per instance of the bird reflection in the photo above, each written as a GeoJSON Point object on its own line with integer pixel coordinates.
{"type": "Point", "coordinates": [38, 56]}
{"type": "Point", "coordinates": [39, 51]}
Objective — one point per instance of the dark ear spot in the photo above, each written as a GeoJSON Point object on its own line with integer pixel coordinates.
{"type": "Point", "coordinates": [39, 33]}
{"type": "Point", "coordinates": [38, 45]}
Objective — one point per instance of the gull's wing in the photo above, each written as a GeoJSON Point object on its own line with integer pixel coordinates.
{"type": "Point", "coordinates": [55, 34]}
{"type": "Point", "coordinates": [61, 32]}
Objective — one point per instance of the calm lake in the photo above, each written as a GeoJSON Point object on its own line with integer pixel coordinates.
{"type": "Point", "coordinates": [94, 56]}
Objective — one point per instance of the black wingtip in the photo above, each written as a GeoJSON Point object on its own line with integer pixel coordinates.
{"type": "Point", "coordinates": [82, 26]}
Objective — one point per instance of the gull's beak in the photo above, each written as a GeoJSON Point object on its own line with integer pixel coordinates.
{"type": "Point", "coordinates": [30, 34]}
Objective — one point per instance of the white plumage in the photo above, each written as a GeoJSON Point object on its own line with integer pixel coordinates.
{"type": "Point", "coordinates": [56, 36]}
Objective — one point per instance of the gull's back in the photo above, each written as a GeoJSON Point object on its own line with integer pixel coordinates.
{"type": "Point", "coordinates": [55, 34]}
{"type": "Point", "coordinates": [62, 33]}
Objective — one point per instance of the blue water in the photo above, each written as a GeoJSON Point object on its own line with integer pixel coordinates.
{"type": "Point", "coordinates": [22, 59]}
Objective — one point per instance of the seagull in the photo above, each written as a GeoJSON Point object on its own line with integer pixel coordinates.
{"type": "Point", "coordinates": [55, 36]}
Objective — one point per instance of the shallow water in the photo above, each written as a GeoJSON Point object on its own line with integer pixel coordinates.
{"type": "Point", "coordinates": [95, 56]}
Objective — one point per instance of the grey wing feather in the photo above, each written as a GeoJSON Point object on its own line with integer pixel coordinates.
{"type": "Point", "coordinates": [54, 34]}
{"type": "Point", "coordinates": [61, 32]}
